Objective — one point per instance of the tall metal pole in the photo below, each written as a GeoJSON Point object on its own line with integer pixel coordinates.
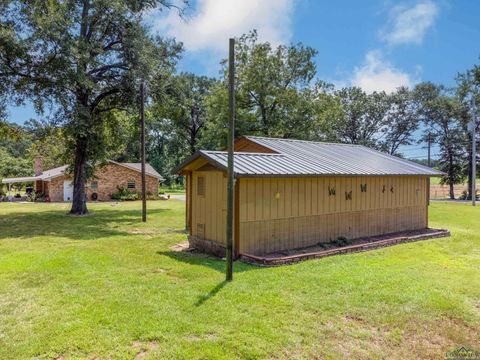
{"type": "Point", "coordinates": [231, 136]}
{"type": "Point", "coordinates": [474, 152]}
{"type": "Point", "coordinates": [429, 146]}
{"type": "Point", "coordinates": [142, 140]}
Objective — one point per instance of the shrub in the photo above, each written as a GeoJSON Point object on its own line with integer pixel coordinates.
{"type": "Point", "coordinates": [150, 196]}
{"type": "Point", "coordinates": [124, 195]}
{"type": "Point", "coordinates": [37, 196]}
{"type": "Point", "coordinates": [341, 241]}
{"type": "Point", "coordinates": [175, 187]}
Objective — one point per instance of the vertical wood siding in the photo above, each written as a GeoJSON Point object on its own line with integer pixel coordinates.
{"type": "Point", "coordinates": [209, 210]}
{"type": "Point", "coordinates": [287, 213]}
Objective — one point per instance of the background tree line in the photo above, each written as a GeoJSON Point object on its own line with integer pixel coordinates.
{"type": "Point", "coordinates": [278, 94]}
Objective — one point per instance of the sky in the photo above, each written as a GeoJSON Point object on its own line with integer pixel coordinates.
{"type": "Point", "coordinates": [374, 44]}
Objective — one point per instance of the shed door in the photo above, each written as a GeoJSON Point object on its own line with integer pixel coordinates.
{"type": "Point", "coordinates": [67, 190]}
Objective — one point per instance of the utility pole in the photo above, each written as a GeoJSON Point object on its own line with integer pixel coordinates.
{"type": "Point", "coordinates": [429, 146]}
{"type": "Point", "coordinates": [142, 140]}
{"type": "Point", "coordinates": [231, 136]}
{"type": "Point", "coordinates": [474, 151]}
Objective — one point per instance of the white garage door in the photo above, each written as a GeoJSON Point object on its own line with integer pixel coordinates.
{"type": "Point", "coordinates": [67, 190]}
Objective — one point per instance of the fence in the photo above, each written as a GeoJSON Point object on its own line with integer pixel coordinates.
{"type": "Point", "coordinates": [443, 191]}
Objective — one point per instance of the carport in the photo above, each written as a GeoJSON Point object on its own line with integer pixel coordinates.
{"type": "Point", "coordinates": [20, 180]}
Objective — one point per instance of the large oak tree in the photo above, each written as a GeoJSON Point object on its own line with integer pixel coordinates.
{"type": "Point", "coordinates": [363, 116]}
{"type": "Point", "coordinates": [83, 59]}
{"type": "Point", "coordinates": [273, 92]}
{"type": "Point", "coordinates": [183, 111]}
{"type": "Point", "coordinates": [401, 121]}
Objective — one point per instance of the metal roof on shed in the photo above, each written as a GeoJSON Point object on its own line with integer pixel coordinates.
{"type": "Point", "coordinates": [309, 158]}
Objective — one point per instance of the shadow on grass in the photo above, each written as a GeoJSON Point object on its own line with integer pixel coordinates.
{"type": "Point", "coordinates": [215, 263]}
{"type": "Point", "coordinates": [211, 293]}
{"type": "Point", "coordinates": [98, 224]}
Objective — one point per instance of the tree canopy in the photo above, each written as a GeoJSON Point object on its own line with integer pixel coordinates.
{"type": "Point", "coordinates": [272, 91]}
{"type": "Point", "coordinates": [85, 60]}
{"type": "Point", "coordinates": [80, 62]}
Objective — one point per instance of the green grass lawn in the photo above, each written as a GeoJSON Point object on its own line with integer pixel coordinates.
{"type": "Point", "coordinates": [176, 191]}
{"type": "Point", "coordinates": [435, 180]}
{"type": "Point", "coordinates": [108, 286]}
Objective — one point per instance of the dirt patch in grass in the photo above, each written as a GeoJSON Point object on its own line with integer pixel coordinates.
{"type": "Point", "coordinates": [416, 340]}
{"type": "Point", "coordinates": [207, 337]}
{"type": "Point", "coordinates": [355, 337]}
{"type": "Point", "coordinates": [144, 349]}
{"type": "Point", "coordinates": [181, 246]}
{"type": "Point", "coordinates": [140, 232]}
{"type": "Point", "coordinates": [159, 271]}
{"type": "Point", "coordinates": [354, 318]}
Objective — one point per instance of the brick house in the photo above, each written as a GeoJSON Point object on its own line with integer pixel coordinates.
{"type": "Point", "coordinates": [57, 184]}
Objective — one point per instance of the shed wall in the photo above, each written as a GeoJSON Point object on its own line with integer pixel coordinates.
{"type": "Point", "coordinates": [286, 213]}
{"type": "Point", "coordinates": [209, 210]}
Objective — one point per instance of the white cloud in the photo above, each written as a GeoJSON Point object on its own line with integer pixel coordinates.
{"type": "Point", "coordinates": [214, 21]}
{"type": "Point", "coordinates": [408, 25]}
{"type": "Point", "coordinates": [377, 74]}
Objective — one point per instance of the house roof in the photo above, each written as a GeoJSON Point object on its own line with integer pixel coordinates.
{"type": "Point", "coordinates": [19, 180]}
{"type": "Point", "coordinates": [309, 158]}
{"type": "Point", "coordinates": [149, 169]}
{"type": "Point", "coordinates": [60, 171]}
{"type": "Point", "coordinates": [53, 173]}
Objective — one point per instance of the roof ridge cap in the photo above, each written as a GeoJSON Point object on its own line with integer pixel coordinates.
{"type": "Point", "coordinates": [244, 153]}
{"type": "Point", "coordinates": [299, 140]}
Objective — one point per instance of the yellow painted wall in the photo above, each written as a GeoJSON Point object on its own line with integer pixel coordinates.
{"type": "Point", "coordinates": [286, 213]}
{"type": "Point", "coordinates": [210, 210]}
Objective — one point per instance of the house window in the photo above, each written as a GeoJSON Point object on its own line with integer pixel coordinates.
{"type": "Point", "coordinates": [201, 186]}
{"type": "Point", "coordinates": [131, 185]}
{"type": "Point", "coordinates": [94, 185]}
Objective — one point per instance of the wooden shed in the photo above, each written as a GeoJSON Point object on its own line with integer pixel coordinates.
{"type": "Point", "coordinates": [291, 194]}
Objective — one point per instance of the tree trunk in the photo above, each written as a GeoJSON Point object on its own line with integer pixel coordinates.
{"type": "Point", "coordinates": [452, 193]}
{"type": "Point", "coordinates": [450, 173]}
{"type": "Point", "coordinates": [79, 203]}
{"type": "Point", "coordinates": [470, 175]}
{"type": "Point", "coordinates": [265, 128]}
{"type": "Point", "coordinates": [193, 141]}
{"type": "Point", "coordinates": [469, 190]}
